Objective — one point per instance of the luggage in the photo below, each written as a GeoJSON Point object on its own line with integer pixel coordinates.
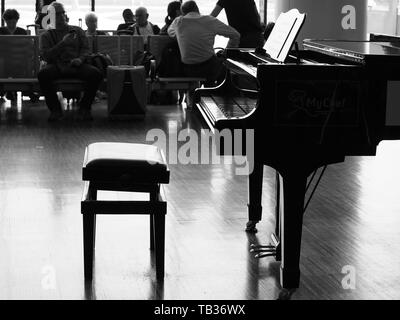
{"type": "Point", "coordinates": [126, 92]}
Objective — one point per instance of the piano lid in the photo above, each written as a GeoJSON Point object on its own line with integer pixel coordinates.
{"type": "Point", "coordinates": [356, 51]}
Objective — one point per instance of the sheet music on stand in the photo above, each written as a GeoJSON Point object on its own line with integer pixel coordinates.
{"type": "Point", "coordinates": [284, 34]}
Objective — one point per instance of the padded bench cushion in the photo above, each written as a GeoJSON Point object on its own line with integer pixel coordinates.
{"type": "Point", "coordinates": [112, 161]}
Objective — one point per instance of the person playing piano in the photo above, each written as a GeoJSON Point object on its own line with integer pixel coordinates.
{"type": "Point", "coordinates": [243, 16]}
{"type": "Point", "coordinates": [196, 34]}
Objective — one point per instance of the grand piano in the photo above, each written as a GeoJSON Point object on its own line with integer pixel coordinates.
{"type": "Point", "coordinates": [321, 104]}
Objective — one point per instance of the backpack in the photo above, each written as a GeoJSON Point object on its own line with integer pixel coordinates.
{"type": "Point", "coordinates": [171, 64]}
{"type": "Point", "coordinates": [101, 61]}
{"type": "Point", "coordinates": [143, 58]}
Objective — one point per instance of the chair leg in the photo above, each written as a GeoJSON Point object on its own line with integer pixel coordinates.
{"type": "Point", "coordinates": [93, 196]}
{"type": "Point", "coordinates": [151, 231]}
{"type": "Point", "coordinates": [89, 227]}
{"type": "Point", "coordinates": [159, 232]}
{"type": "Point", "coordinates": [153, 197]}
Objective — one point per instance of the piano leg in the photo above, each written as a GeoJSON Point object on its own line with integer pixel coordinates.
{"type": "Point", "coordinates": [276, 237]}
{"type": "Point", "coordinates": [255, 197]}
{"type": "Point", "coordinates": [292, 192]}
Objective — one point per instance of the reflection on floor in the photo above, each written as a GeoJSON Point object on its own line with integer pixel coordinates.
{"type": "Point", "coordinates": [353, 222]}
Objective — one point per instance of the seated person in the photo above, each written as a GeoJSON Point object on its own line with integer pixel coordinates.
{"type": "Point", "coordinates": [129, 19]}
{"type": "Point", "coordinates": [244, 17]}
{"type": "Point", "coordinates": [91, 23]}
{"type": "Point", "coordinates": [11, 17]}
{"type": "Point", "coordinates": [41, 5]}
{"type": "Point", "coordinates": [173, 11]}
{"type": "Point", "coordinates": [196, 35]}
{"type": "Point", "coordinates": [143, 27]}
{"type": "Point", "coordinates": [65, 49]}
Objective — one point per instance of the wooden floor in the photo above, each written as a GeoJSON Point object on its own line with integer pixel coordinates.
{"type": "Point", "coordinates": [353, 220]}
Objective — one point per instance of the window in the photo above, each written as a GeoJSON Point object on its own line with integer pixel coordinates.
{"type": "Point", "coordinates": [383, 16]}
{"type": "Point", "coordinates": [110, 11]}
{"type": "Point", "coordinates": [26, 10]}
{"type": "Point", "coordinates": [75, 9]}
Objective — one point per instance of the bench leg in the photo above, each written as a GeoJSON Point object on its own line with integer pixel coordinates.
{"type": "Point", "coordinates": [159, 231]}
{"type": "Point", "coordinates": [153, 197]}
{"type": "Point", "coordinates": [93, 196]}
{"type": "Point", "coordinates": [151, 231]}
{"type": "Point", "coordinates": [89, 227]}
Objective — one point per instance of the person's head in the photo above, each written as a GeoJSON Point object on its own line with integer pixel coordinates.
{"type": "Point", "coordinates": [128, 16]}
{"type": "Point", "coordinates": [141, 16]}
{"type": "Point", "coordinates": [61, 16]}
{"type": "Point", "coordinates": [91, 22]}
{"type": "Point", "coordinates": [174, 10]}
{"type": "Point", "coordinates": [189, 6]}
{"type": "Point", "coordinates": [11, 17]}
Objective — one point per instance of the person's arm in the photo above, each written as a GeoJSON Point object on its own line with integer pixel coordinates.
{"type": "Point", "coordinates": [217, 9]}
{"type": "Point", "coordinates": [156, 29]}
{"type": "Point", "coordinates": [222, 29]}
{"type": "Point", "coordinates": [48, 50]}
{"type": "Point", "coordinates": [84, 48]}
{"type": "Point", "coordinates": [21, 32]}
{"type": "Point", "coordinates": [172, 28]}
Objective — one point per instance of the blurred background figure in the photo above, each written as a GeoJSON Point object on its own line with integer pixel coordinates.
{"type": "Point", "coordinates": [173, 11]}
{"type": "Point", "coordinates": [129, 19]}
{"type": "Point", "coordinates": [91, 24]}
{"type": "Point", "coordinates": [39, 14]}
{"type": "Point", "coordinates": [11, 17]}
{"type": "Point", "coordinates": [244, 17]}
{"type": "Point", "coordinates": [143, 27]}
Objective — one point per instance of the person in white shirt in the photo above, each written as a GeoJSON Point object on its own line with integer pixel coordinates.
{"type": "Point", "coordinates": [143, 27]}
{"type": "Point", "coordinates": [91, 23]}
{"type": "Point", "coordinates": [196, 35]}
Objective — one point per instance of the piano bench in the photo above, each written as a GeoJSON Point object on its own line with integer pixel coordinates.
{"type": "Point", "coordinates": [124, 167]}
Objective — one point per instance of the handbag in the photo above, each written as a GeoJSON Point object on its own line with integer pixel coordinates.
{"type": "Point", "coordinates": [143, 58]}
{"type": "Point", "coordinates": [101, 61]}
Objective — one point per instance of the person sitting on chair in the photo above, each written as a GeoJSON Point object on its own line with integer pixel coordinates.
{"type": "Point", "coordinates": [91, 23]}
{"type": "Point", "coordinates": [173, 11]}
{"type": "Point", "coordinates": [244, 17]}
{"type": "Point", "coordinates": [65, 49]}
{"type": "Point", "coordinates": [129, 19]}
{"type": "Point", "coordinates": [143, 27]}
{"type": "Point", "coordinates": [196, 35]}
{"type": "Point", "coordinates": [11, 17]}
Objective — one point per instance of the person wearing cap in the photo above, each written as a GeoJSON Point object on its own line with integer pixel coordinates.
{"type": "Point", "coordinates": [64, 49]}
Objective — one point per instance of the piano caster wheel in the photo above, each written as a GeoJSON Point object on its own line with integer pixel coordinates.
{"type": "Point", "coordinates": [263, 251]}
{"type": "Point", "coordinates": [286, 294]}
{"type": "Point", "coordinates": [251, 226]}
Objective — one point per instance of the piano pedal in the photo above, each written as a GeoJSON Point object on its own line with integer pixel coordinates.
{"type": "Point", "coordinates": [271, 250]}
{"type": "Point", "coordinates": [263, 251]}
{"type": "Point", "coordinates": [251, 226]}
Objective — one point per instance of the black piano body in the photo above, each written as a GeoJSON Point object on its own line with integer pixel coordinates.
{"type": "Point", "coordinates": [324, 103]}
